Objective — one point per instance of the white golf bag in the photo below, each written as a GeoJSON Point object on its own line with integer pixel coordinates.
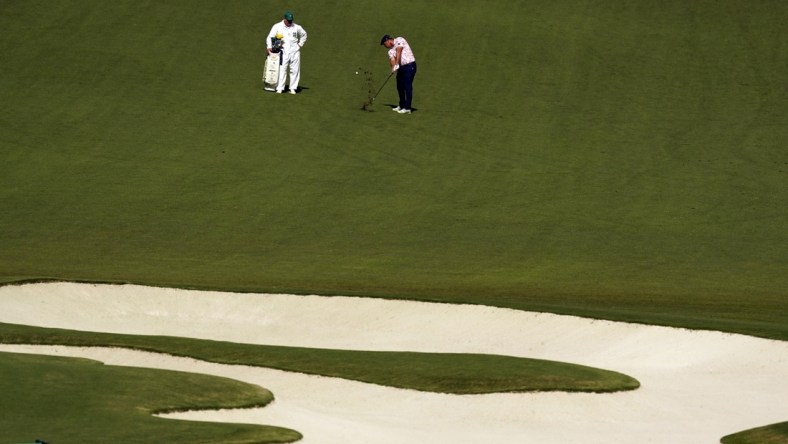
{"type": "Point", "coordinates": [271, 71]}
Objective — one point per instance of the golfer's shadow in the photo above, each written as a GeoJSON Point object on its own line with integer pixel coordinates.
{"type": "Point", "coordinates": [392, 106]}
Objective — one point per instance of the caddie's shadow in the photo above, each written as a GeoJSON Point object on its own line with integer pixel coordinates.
{"type": "Point", "coordinates": [299, 89]}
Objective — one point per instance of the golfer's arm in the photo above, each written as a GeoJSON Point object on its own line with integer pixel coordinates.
{"type": "Point", "coordinates": [399, 55]}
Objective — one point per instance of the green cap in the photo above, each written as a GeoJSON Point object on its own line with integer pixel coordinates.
{"type": "Point", "coordinates": [289, 16]}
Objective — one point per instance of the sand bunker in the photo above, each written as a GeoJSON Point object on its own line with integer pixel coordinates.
{"type": "Point", "coordinates": [697, 386]}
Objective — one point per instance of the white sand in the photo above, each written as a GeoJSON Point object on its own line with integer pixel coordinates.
{"type": "Point", "coordinates": [697, 386]}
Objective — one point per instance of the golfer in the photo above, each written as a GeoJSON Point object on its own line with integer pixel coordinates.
{"type": "Point", "coordinates": [404, 63]}
{"type": "Point", "coordinates": [294, 38]}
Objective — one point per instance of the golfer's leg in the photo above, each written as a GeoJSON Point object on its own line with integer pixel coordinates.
{"type": "Point", "coordinates": [295, 70]}
{"type": "Point", "coordinates": [401, 89]}
{"type": "Point", "coordinates": [410, 74]}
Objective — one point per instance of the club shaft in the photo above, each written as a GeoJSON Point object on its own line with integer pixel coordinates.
{"type": "Point", "coordinates": [384, 84]}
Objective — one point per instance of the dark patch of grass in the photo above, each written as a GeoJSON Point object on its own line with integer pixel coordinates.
{"type": "Point", "coordinates": [771, 434]}
{"type": "Point", "coordinates": [77, 400]}
{"type": "Point", "coordinates": [457, 373]}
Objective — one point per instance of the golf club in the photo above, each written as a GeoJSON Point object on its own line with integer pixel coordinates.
{"type": "Point", "coordinates": [368, 104]}
{"type": "Point", "coordinates": [381, 86]}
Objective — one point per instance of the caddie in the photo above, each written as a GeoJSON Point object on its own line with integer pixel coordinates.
{"type": "Point", "coordinates": [293, 39]}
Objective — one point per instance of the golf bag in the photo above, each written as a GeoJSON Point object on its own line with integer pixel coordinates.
{"type": "Point", "coordinates": [271, 72]}
{"type": "Point", "coordinates": [273, 64]}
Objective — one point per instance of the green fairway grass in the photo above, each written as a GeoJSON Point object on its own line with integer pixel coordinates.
{"type": "Point", "coordinates": [622, 162]}
{"type": "Point", "coordinates": [81, 401]}
{"type": "Point", "coordinates": [616, 162]}
{"type": "Point", "coordinates": [458, 373]}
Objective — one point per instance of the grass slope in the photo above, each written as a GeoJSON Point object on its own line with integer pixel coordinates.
{"type": "Point", "coordinates": [115, 404]}
{"type": "Point", "coordinates": [458, 373]}
{"type": "Point", "coordinates": [616, 161]}
{"type": "Point", "coordinates": [771, 434]}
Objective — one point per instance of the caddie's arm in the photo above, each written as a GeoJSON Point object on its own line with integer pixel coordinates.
{"type": "Point", "coordinates": [302, 40]}
{"type": "Point", "coordinates": [271, 34]}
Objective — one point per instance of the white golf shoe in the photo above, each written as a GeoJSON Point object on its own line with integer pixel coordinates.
{"type": "Point", "coordinates": [396, 110]}
{"type": "Point", "coordinates": [404, 111]}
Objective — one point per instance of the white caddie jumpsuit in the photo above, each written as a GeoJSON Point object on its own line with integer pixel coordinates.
{"type": "Point", "coordinates": [294, 37]}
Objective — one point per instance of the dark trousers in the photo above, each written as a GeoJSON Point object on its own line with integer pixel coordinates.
{"type": "Point", "coordinates": [405, 76]}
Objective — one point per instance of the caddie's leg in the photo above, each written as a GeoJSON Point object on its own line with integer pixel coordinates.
{"type": "Point", "coordinates": [295, 70]}
{"type": "Point", "coordinates": [285, 61]}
